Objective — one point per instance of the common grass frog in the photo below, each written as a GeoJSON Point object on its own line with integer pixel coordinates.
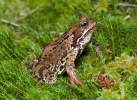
{"type": "Point", "coordinates": [58, 56]}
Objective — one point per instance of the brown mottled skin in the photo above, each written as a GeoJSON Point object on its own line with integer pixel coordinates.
{"type": "Point", "coordinates": [59, 55]}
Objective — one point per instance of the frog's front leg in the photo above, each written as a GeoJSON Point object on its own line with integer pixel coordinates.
{"type": "Point", "coordinates": [70, 68]}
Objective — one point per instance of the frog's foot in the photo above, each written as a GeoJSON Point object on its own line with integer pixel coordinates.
{"type": "Point", "coordinates": [46, 76]}
{"type": "Point", "coordinates": [74, 80]}
{"type": "Point", "coordinates": [50, 78]}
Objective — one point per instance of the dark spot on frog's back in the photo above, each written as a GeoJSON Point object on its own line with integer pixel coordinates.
{"type": "Point", "coordinates": [66, 37]}
{"type": "Point", "coordinates": [61, 47]}
{"type": "Point", "coordinates": [54, 48]}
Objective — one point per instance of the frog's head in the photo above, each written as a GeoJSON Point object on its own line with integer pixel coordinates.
{"type": "Point", "coordinates": [83, 31]}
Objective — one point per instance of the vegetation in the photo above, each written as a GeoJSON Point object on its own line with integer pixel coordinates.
{"type": "Point", "coordinates": [112, 50]}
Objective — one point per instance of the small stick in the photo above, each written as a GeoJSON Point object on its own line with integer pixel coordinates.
{"type": "Point", "coordinates": [127, 17]}
{"type": "Point", "coordinates": [37, 8]}
{"type": "Point", "coordinates": [17, 25]}
{"type": "Point", "coordinates": [33, 11]}
{"type": "Point", "coordinates": [8, 22]}
{"type": "Point", "coordinates": [127, 5]}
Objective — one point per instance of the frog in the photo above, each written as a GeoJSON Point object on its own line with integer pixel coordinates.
{"type": "Point", "coordinates": [59, 55]}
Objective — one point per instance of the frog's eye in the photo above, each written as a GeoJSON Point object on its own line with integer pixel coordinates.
{"type": "Point", "coordinates": [83, 24]}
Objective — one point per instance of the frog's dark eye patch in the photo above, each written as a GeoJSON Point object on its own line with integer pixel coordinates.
{"type": "Point", "coordinates": [83, 24]}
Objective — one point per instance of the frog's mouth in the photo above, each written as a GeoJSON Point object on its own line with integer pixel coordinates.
{"type": "Point", "coordinates": [92, 28]}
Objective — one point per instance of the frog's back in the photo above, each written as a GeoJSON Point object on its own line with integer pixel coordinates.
{"type": "Point", "coordinates": [50, 63]}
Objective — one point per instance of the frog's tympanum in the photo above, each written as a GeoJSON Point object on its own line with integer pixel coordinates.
{"type": "Point", "coordinates": [58, 56]}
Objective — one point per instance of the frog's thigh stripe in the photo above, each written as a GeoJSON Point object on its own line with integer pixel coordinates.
{"type": "Point", "coordinates": [37, 69]}
{"type": "Point", "coordinates": [41, 70]}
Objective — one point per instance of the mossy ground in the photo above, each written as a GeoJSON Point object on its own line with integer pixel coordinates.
{"type": "Point", "coordinates": [115, 37]}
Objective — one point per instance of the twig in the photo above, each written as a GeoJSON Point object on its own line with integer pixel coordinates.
{"type": "Point", "coordinates": [8, 22]}
{"type": "Point", "coordinates": [127, 5]}
{"type": "Point", "coordinates": [17, 25]}
{"type": "Point", "coordinates": [127, 17]}
{"type": "Point", "coordinates": [37, 8]}
{"type": "Point", "coordinates": [33, 11]}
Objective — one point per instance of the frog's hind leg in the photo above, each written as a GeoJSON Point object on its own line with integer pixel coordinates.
{"type": "Point", "coordinates": [70, 69]}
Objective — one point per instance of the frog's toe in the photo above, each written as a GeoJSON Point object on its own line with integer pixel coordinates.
{"type": "Point", "coordinates": [75, 80]}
